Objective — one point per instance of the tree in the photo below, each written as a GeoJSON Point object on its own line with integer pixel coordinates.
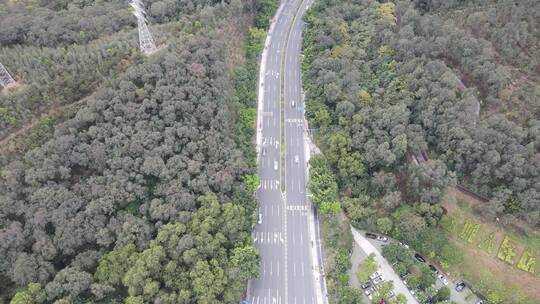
{"type": "Point", "coordinates": [350, 295]}
{"type": "Point", "coordinates": [384, 225]}
{"type": "Point", "coordinates": [366, 268]}
{"type": "Point", "coordinates": [33, 294]}
{"type": "Point", "coordinates": [329, 208]}
{"type": "Point", "coordinates": [247, 260]}
{"type": "Point", "coordinates": [113, 266]}
{"type": "Point", "coordinates": [443, 294]}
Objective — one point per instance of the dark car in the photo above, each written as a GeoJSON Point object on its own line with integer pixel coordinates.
{"type": "Point", "coordinates": [460, 286]}
{"type": "Point", "coordinates": [366, 285]}
{"type": "Point", "coordinates": [419, 258]}
{"type": "Point", "coordinates": [371, 235]}
{"type": "Point", "coordinates": [432, 268]}
{"type": "Point", "coordinates": [403, 275]}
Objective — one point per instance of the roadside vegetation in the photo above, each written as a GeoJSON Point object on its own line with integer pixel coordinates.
{"type": "Point", "coordinates": [337, 239]}
{"type": "Point", "coordinates": [385, 81]}
{"type": "Point", "coordinates": [145, 193]}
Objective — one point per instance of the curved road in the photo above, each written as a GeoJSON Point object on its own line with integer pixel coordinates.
{"type": "Point", "coordinates": [286, 236]}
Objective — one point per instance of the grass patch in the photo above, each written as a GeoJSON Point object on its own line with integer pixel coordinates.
{"type": "Point", "coordinates": [498, 260]}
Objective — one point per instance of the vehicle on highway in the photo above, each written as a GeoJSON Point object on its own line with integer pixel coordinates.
{"type": "Point", "coordinates": [259, 219]}
{"type": "Point", "coordinates": [264, 151]}
{"type": "Point", "coordinates": [293, 104]}
{"type": "Point", "coordinates": [378, 279]}
{"type": "Point", "coordinates": [374, 275]}
{"type": "Point", "coordinates": [460, 286]}
{"type": "Point", "coordinates": [371, 235]}
{"type": "Point", "coordinates": [420, 258]}
{"type": "Point", "coordinates": [382, 238]}
{"type": "Point", "coordinates": [296, 159]}
{"type": "Point", "coordinates": [275, 165]}
{"type": "Point", "coordinates": [366, 285]}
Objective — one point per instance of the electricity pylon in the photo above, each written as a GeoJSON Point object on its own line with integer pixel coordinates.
{"type": "Point", "coordinates": [146, 42]}
{"type": "Point", "coordinates": [5, 79]}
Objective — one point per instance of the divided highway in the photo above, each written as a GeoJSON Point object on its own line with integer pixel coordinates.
{"type": "Point", "coordinates": [285, 234]}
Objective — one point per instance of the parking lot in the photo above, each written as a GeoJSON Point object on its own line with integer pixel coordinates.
{"type": "Point", "coordinates": [366, 245]}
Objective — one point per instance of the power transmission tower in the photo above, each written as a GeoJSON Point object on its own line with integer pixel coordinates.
{"type": "Point", "coordinates": [5, 79]}
{"type": "Point", "coordinates": [146, 42]}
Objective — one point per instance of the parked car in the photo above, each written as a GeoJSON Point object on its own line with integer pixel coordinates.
{"type": "Point", "coordinates": [377, 280]}
{"type": "Point", "coordinates": [403, 275]}
{"type": "Point", "coordinates": [366, 285]}
{"type": "Point", "coordinates": [419, 258]}
{"type": "Point", "coordinates": [460, 286]}
{"type": "Point", "coordinates": [404, 245]}
{"type": "Point", "coordinates": [433, 268]}
{"type": "Point", "coordinates": [369, 291]}
{"type": "Point", "coordinates": [371, 235]}
{"type": "Point", "coordinates": [382, 238]}
{"type": "Point", "coordinates": [375, 275]}
{"type": "Point", "coordinates": [443, 279]}
{"type": "Point", "coordinates": [479, 302]}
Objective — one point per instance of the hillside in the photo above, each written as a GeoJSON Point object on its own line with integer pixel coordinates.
{"type": "Point", "coordinates": [456, 79]}
{"type": "Point", "coordinates": [143, 193]}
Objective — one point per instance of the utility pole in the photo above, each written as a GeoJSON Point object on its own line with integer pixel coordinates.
{"type": "Point", "coordinates": [5, 79]}
{"type": "Point", "coordinates": [146, 42]}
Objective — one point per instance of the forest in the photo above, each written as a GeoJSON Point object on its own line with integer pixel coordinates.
{"type": "Point", "coordinates": [457, 80]}
{"type": "Point", "coordinates": [146, 193]}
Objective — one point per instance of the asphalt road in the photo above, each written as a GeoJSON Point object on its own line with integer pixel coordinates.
{"type": "Point", "coordinates": [283, 237]}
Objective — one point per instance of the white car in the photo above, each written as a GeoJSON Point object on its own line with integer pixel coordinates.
{"type": "Point", "coordinates": [259, 219]}
{"type": "Point", "coordinates": [404, 245]}
{"type": "Point", "coordinates": [377, 280]}
{"type": "Point", "coordinates": [374, 275]}
{"type": "Point", "coordinates": [382, 238]}
{"type": "Point", "coordinates": [293, 104]}
{"type": "Point", "coordinates": [443, 279]}
{"type": "Point", "coordinates": [275, 165]}
{"type": "Point", "coordinates": [296, 159]}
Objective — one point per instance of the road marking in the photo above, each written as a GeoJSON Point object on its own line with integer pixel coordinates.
{"type": "Point", "coordinates": [294, 273]}
{"type": "Point", "coordinates": [297, 207]}
{"type": "Point", "coordinates": [301, 238]}
{"type": "Point", "coordinates": [303, 269]}
{"type": "Point", "coordinates": [272, 210]}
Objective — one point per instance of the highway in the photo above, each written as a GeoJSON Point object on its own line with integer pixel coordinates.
{"type": "Point", "coordinates": [285, 236]}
